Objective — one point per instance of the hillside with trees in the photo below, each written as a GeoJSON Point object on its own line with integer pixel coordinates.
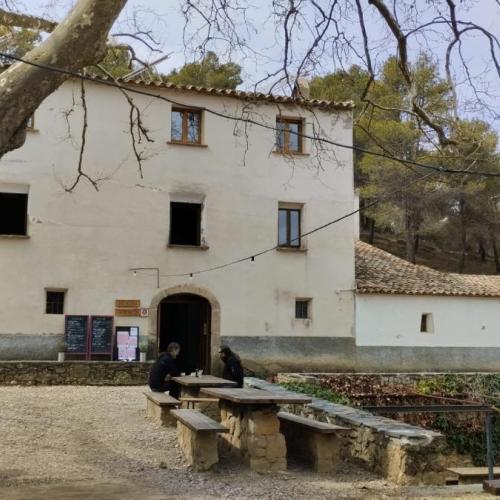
{"type": "Point", "coordinates": [450, 222]}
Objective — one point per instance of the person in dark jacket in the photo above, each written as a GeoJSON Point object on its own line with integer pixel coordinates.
{"type": "Point", "coordinates": [164, 369]}
{"type": "Point", "coordinates": [233, 369]}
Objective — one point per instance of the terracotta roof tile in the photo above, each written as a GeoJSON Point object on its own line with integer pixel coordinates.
{"type": "Point", "coordinates": [378, 271]}
{"type": "Point", "coordinates": [240, 94]}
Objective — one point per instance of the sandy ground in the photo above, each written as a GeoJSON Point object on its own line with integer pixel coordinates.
{"type": "Point", "coordinates": [71, 442]}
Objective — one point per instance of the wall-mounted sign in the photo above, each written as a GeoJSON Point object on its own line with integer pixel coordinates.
{"type": "Point", "coordinates": [144, 312]}
{"type": "Point", "coordinates": [87, 336]}
{"type": "Point", "coordinates": [128, 307]}
{"type": "Point", "coordinates": [76, 334]}
{"type": "Point", "coordinates": [127, 342]}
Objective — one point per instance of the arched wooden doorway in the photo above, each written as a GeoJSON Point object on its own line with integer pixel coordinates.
{"type": "Point", "coordinates": [185, 318]}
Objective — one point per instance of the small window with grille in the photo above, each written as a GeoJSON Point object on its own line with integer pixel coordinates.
{"type": "Point", "coordinates": [302, 309]}
{"type": "Point", "coordinates": [54, 302]}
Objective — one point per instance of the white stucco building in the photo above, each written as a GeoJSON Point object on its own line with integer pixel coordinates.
{"type": "Point", "coordinates": [213, 190]}
{"type": "Point", "coordinates": [417, 318]}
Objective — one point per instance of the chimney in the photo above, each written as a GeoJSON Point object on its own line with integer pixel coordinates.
{"type": "Point", "coordinates": [301, 88]}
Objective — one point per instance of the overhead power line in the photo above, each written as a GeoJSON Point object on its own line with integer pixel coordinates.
{"type": "Point", "coordinates": [109, 83]}
{"type": "Point", "coordinates": [253, 256]}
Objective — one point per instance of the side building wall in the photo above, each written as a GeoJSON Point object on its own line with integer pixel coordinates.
{"type": "Point", "coordinates": [462, 333]}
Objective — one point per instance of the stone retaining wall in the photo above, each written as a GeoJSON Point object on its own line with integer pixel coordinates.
{"type": "Point", "coordinates": [73, 373]}
{"type": "Point", "coordinates": [402, 453]}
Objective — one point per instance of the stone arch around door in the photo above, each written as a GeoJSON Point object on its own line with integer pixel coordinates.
{"type": "Point", "coordinates": [215, 320]}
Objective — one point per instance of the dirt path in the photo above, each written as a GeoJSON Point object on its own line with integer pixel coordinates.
{"type": "Point", "coordinates": [72, 442]}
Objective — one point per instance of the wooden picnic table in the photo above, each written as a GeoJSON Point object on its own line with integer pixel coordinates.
{"type": "Point", "coordinates": [203, 381]}
{"type": "Point", "coordinates": [190, 388]}
{"type": "Point", "coordinates": [251, 415]}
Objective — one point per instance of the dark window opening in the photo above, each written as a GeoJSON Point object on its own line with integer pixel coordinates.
{"type": "Point", "coordinates": [13, 213]}
{"type": "Point", "coordinates": [54, 303]}
{"type": "Point", "coordinates": [302, 309]}
{"type": "Point", "coordinates": [289, 227]}
{"type": "Point", "coordinates": [426, 325]}
{"type": "Point", "coordinates": [185, 224]}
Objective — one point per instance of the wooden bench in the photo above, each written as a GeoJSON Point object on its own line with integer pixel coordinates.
{"type": "Point", "coordinates": [472, 475]}
{"type": "Point", "coordinates": [314, 442]}
{"type": "Point", "coordinates": [158, 406]}
{"type": "Point", "coordinates": [197, 435]}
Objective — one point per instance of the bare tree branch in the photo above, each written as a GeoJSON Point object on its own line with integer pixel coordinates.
{"type": "Point", "coordinates": [15, 20]}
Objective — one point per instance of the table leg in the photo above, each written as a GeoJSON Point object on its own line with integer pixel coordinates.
{"type": "Point", "coordinates": [209, 409]}
{"type": "Point", "coordinates": [254, 435]}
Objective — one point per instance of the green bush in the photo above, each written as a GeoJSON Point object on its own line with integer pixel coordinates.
{"type": "Point", "coordinates": [465, 432]}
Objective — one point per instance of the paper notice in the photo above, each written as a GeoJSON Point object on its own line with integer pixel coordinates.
{"type": "Point", "coordinates": [122, 338]}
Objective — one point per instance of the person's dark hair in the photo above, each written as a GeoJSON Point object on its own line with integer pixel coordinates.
{"type": "Point", "coordinates": [173, 346]}
{"type": "Point", "coordinates": [225, 349]}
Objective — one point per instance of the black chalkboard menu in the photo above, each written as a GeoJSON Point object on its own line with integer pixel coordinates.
{"type": "Point", "coordinates": [101, 334]}
{"type": "Point", "coordinates": [76, 332]}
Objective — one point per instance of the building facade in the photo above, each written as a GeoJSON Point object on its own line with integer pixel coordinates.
{"type": "Point", "coordinates": [410, 317]}
{"type": "Point", "coordinates": [196, 189]}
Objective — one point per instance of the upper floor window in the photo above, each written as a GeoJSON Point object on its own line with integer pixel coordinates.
{"type": "Point", "coordinates": [185, 223]}
{"type": "Point", "coordinates": [186, 126]}
{"type": "Point", "coordinates": [289, 135]}
{"type": "Point", "coordinates": [13, 213]}
{"type": "Point", "coordinates": [289, 227]}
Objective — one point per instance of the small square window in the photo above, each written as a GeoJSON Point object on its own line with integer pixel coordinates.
{"type": "Point", "coordinates": [185, 223]}
{"type": "Point", "coordinates": [302, 308]}
{"type": "Point", "coordinates": [13, 213]}
{"type": "Point", "coordinates": [289, 135]}
{"type": "Point", "coordinates": [426, 323]}
{"type": "Point", "coordinates": [289, 227]}
{"type": "Point", "coordinates": [186, 126]}
{"type": "Point", "coordinates": [54, 303]}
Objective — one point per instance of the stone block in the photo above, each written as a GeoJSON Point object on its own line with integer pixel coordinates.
{"type": "Point", "coordinates": [200, 449]}
{"type": "Point", "coordinates": [159, 415]}
{"type": "Point", "coordinates": [276, 447]}
{"type": "Point", "coordinates": [263, 423]}
{"type": "Point", "coordinates": [257, 446]}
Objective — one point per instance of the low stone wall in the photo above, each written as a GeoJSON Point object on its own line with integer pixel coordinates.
{"type": "Point", "coordinates": [73, 373]}
{"type": "Point", "coordinates": [401, 453]}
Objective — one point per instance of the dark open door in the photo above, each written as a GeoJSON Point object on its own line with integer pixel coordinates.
{"type": "Point", "coordinates": [185, 319]}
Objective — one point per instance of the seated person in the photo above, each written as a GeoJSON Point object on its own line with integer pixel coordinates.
{"type": "Point", "coordinates": [233, 369]}
{"type": "Point", "coordinates": [164, 369]}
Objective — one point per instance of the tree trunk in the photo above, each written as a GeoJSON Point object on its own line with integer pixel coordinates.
{"type": "Point", "coordinates": [77, 42]}
{"type": "Point", "coordinates": [463, 236]}
{"type": "Point", "coordinates": [371, 235]}
{"type": "Point", "coordinates": [495, 252]}
{"type": "Point", "coordinates": [481, 250]}
{"type": "Point", "coordinates": [411, 236]}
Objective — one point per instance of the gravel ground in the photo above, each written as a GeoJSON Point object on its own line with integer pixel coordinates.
{"type": "Point", "coordinates": [71, 442]}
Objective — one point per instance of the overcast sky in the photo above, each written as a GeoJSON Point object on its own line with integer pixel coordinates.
{"type": "Point", "coordinates": [166, 20]}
